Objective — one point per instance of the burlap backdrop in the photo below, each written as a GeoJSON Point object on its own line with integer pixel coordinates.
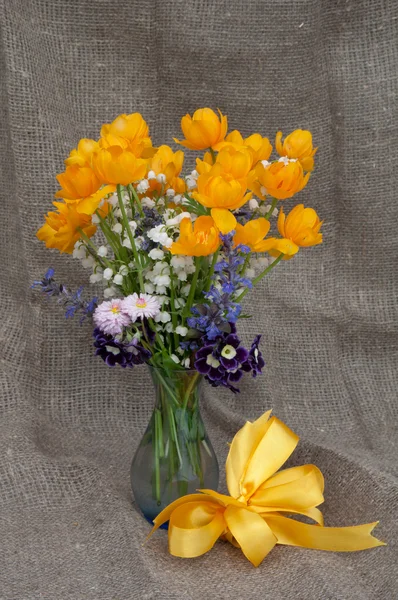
{"type": "Point", "coordinates": [69, 425]}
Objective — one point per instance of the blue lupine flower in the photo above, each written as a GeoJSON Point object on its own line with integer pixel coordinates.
{"type": "Point", "coordinates": [72, 301]}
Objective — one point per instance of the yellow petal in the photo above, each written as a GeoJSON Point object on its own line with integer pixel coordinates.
{"type": "Point", "coordinates": [194, 528]}
{"type": "Point", "coordinates": [224, 219]}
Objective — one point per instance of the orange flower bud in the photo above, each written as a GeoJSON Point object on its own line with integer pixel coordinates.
{"type": "Point", "coordinates": [297, 144]}
{"type": "Point", "coordinates": [203, 130]}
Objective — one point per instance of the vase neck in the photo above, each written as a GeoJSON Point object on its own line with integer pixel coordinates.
{"type": "Point", "coordinates": [178, 389]}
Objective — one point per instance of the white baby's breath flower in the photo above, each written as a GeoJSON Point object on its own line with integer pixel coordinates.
{"type": "Point", "coordinates": [182, 275]}
{"type": "Point", "coordinates": [126, 243]}
{"type": "Point", "coordinates": [274, 212]}
{"type": "Point", "coordinates": [179, 302]}
{"type": "Point", "coordinates": [147, 202]}
{"type": "Point", "coordinates": [187, 363]}
{"type": "Point", "coordinates": [149, 287]}
{"type": "Point", "coordinates": [118, 279]}
{"type": "Point", "coordinates": [253, 204]}
{"type": "Point", "coordinates": [162, 280]}
{"type": "Point", "coordinates": [168, 327]}
{"type": "Point", "coordinates": [177, 261]}
{"type": "Point", "coordinates": [107, 274]}
{"type": "Point", "coordinates": [143, 186]}
{"type": "Point", "coordinates": [161, 289]}
{"type": "Point", "coordinates": [124, 270]}
{"type": "Point", "coordinates": [170, 193]}
{"type": "Point", "coordinates": [96, 277]}
{"type": "Point", "coordinates": [175, 358]}
{"type": "Point", "coordinates": [95, 219]}
{"type": "Point", "coordinates": [156, 254]}
{"type": "Point", "coordinates": [185, 290]}
{"type": "Point", "coordinates": [265, 163]}
{"type": "Point", "coordinates": [177, 199]}
{"type": "Point", "coordinates": [263, 190]}
{"type": "Point", "coordinates": [118, 213]}
{"type": "Point", "coordinates": [151, 175]}
{"type": "Point", "coordinates": [79, 252]}
{"type": "Point", "coordinates": [191, 183]}
{"type": "Point", "coordinates": [110, 292]}
{"type": "Point", "coordinates": [88, 262]}
{"type": "Point", "coordinates": [182, 330]}
{"type": "Point", "coordinates": [133, 225]}
{"type": "Point", "coordinates": [102, 251]}
{"type": "Point", "coordinates": [113, 200]}
{"type": "Point", "coordinates": [163, 317]}
{"type": "Point", "coordinates": [117, 228]}
{"type": "Point", "coordinates": [194, 174]}
{"type": "Point", "coordinates": [161, 178]}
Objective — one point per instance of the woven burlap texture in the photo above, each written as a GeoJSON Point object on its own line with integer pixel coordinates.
{"type": "Point", "coordinates": [69, 425]}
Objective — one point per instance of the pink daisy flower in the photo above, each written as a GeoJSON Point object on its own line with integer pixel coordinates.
{"type": "Point", "coordinates": [110, 318]}
{"type": "Point", "coordinates": [142, 305]}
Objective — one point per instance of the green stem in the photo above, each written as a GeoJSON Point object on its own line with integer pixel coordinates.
{"type": "Point", "coordinates": [211, 270]}
{"type": "Point", "coordinates": [108, 233]}
{"type": "Point", "coordinates": [159, 431]}
{"type": "Point", "coordinates": [100, 259]}
{"type": "Point", "coordinates": [259, 277]}
{"type": "Point", "coordinates": [173, 310]}
{"type": "Point", "coordinates": [245, 264]}
{"type": "Point", "coordinates": [131, 238]}
{"type": "Point", "coordinates": [271, 210]}
{"type": "Point", "coordinates": [213, 155]}
{"type": "Point", "coordinates": [189, 390]}
{"type": "Point", "coordinates": [192, 290]}
{"type": "Point", "coordinates": [137, 200]}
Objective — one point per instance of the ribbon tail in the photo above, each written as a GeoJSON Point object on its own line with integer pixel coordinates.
{"type": "Point", "coordinates": [333, 539]}
{"type": "Point", "coordinates": [252, 533]}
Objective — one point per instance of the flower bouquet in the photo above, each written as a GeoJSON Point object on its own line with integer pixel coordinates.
{"type": "Point", "coordinates": [175, 257]}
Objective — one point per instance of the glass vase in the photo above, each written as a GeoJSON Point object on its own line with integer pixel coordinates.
{"type": "Point", "coordinates": [175, 456]}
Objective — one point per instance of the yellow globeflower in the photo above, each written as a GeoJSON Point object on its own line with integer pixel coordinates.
{"type": "Point", "coordinates": [77, 182]}
{"type": "Point", "coordinates": [61, 229]}
{"type": "Point", "coordinates": [297, 145]}
{"type": "Point", "coordinates": [116, 165]}
{"type": "Point", "coordinates": [252, 234]}
{"type": "Point", "coordinates": [281, 179]}
{"type": "Point", "coordinates": [203, 130]}
{"type": "Point", "coordinates": [81, 155]}
{"type": "Point", "coordinates": [299, 229]}
{"type": "Point", "coordinates": [231, 163]}
{"type": "Point", "coordinates": [131, 127]}
{"type": "Point", "coordinates": [168, 163]}
{"type": "Point", "coordinates": [259, 147]}
{"type": "Point", "coordinates": [221, 195]}
{"type": "Point", "coordinates": [201, 239]}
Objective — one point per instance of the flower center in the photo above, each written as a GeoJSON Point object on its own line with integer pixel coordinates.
{"type": "Point", "coordinates": [228, 352]}
{"type": "Point", "coordinates": [213, 362]}
{"type": "Point", "coordinates": [141, 303]}
{"type": "Point", "coordinates": [115, 310]}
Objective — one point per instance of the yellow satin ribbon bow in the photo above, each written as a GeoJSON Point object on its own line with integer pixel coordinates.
{"type": "Point", "coordinates": [251, 518]}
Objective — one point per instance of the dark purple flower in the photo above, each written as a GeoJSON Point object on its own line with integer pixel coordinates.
{"type": "Point", "coordinates": [114, 352]}
{"type": "Point", "coordinates": [255, 358]}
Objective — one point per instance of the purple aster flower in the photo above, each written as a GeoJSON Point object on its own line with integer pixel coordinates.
{"type": "Point", "coordinates": [110, 317]}
{"type": "Point", "coordinates": [255, 358]}
{"type": "Point", "coordinates": [115, 352]}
